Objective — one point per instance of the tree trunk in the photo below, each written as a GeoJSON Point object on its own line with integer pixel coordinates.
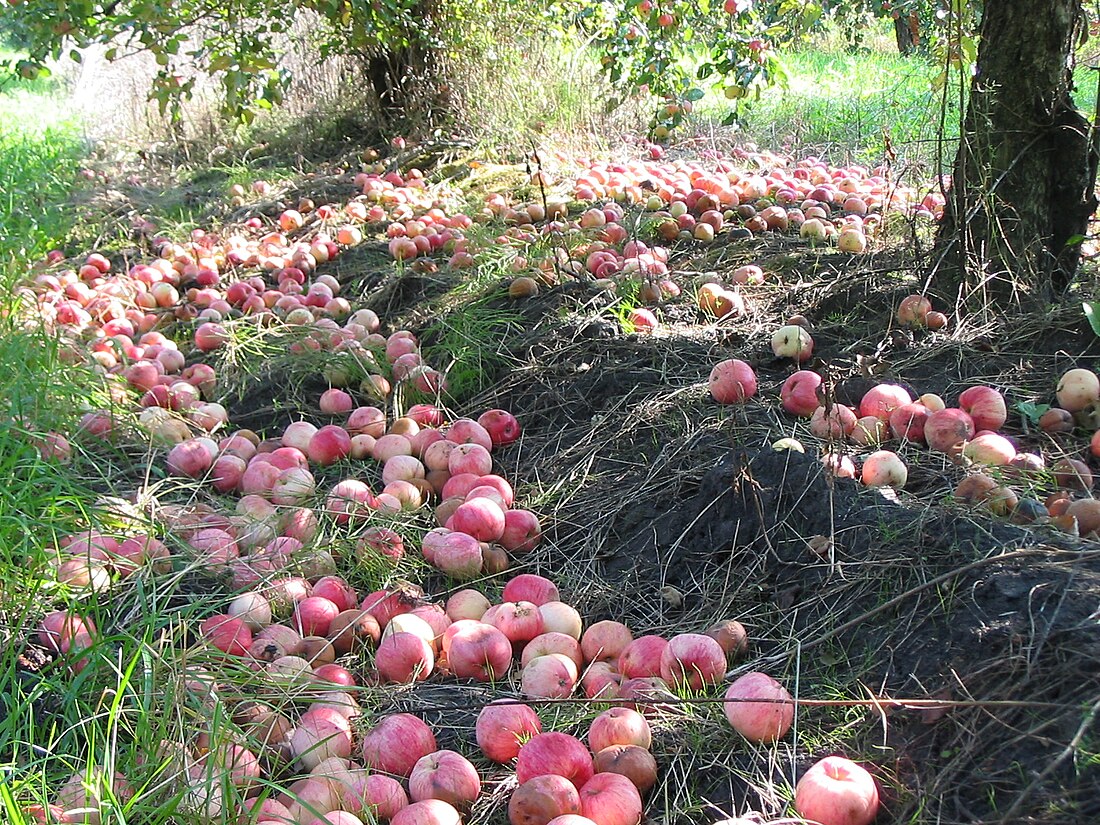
{"type": "Point", "coordinates": [1024, 174]}
{"type": "Point", "coordinates": [906, 32]}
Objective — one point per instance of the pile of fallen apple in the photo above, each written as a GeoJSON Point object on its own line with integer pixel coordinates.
{"type": "Point", "coordinates": [967, 434]}
{"type": "Point", "coordinates": [297, 722]}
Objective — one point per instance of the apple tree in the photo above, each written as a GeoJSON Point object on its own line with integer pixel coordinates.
{"type": "Point", "coordinates": [1023, 184]}
{"type": "Point", "coordinates": [238, 41]}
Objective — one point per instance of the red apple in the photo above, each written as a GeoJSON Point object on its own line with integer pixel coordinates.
{"type": "Point", "coordinates": [755, 720]}
{"type": "Point", "coordinates": [541, 799]}
{"type": "Point", "coordinates": [799, 393]}
{"type": "Point", "coordinates": [445, 775]}
{"type": "Point", "coordinates": [556, 753]}
{"type": "Point", "coordinates": [837, 791]}
{"type": "Point", "coordinates": [692, 660]}
{"type": "Point", "coordinates": [986, 407]}
{"type": "Point", "coordinates": [396, 743]}
{"type": "Point", "coordinates": [502, 426]}
{"type": "Point", "coordinates": [611, 799]}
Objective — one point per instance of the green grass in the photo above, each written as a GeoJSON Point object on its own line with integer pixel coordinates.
{"type": "Point", "coordinates": [847, 105]}
{"type": "Point", "coordinates": [41, 148]}
{"type": "Point", "coordinates": [850, 105]}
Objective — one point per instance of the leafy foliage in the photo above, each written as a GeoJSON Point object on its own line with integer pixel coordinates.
{"type": "Point", "coordinates": [672, 49]}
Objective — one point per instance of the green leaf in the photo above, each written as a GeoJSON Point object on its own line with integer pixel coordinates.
{"type": "Point", "coordinates": [1092, 314]}
{"type": "Point", "coordinates": [1074, 240]}
{"type": "Point", "coordinates": [1030, 411]}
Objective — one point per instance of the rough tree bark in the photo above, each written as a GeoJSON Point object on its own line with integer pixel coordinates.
{"type": "Point", "coordinates": [1026, 167]}
{"type": "Point", "coordinates": [906, 32]}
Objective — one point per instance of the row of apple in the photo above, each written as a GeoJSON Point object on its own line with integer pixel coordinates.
{"type": "Point", "coordinates": [467, 638]}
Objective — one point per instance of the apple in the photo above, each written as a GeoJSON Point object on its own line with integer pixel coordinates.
{"type": "Point", "coordinates": [619, 726]}
{"type": "Point", "coordinates": [907, 422]}
{"type": "Point", "coordinates": [986, 407]}
{"type": "Point", "coordinates": [551, 676]}
{"type": "Point", "coordinates": [1077, 388]}
{"type": "Point", "coordinates": [529, 587]}
{"type": "Point", "coordinates": [542, 798]}
{"type": "Point", "coordinates": [836, 421]}
{"type": "Point", "coordinates": [758, 721]}
{"type": "Point", "coordinates": [913, 310]}
{"type": "Point", "coordinates": [792, 341]}
{"type": "Point", "coordinates": [479, 651]}
{"type": "Point", "coordinates": [632, 761]}
{"type": "Point", "coordinates": [946, 430]}
{"type": "Point", "coordinates": [502, 426]}
{"type": "Point", "coordinates": [799, 393]}
{"type": "Point", "coordinates": [552, 642]}
{"type": "Point", "coordinates": [445, 775]}
{"type": "Point", "coordinates": [642, 657]}
{"type": "Point", "coordinates": [522, 531]}
{"type": "Point", "coordinates": [557, 753]}
{"type": "Point", "coordinates": [732, 381]}
{"type": "Point", "coordinates": [611, 799]}
{"type": "Point", "coordinates": [428, 812]}
{"type": "Point", "coordinates": [883, 399]}
{"type": "Point", "coordinates": [884, 469]}
{"type": "Point", "coordinates": [503, 726]}
{"type": "Point", "coordinates": [404, 657]}
{"type": "Point", "coordinates": [396, 743]}
{"type": "Point", "coordinates": [837, 791]}
{"type": "Point", "coordinates": [692, 660]}
{"type": "Point", "coordinates": [989, 448]}
{"type": "Point", "coordinates": [605, 641]}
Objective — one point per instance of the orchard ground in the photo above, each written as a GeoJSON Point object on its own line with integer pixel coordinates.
{"type": "Point", "coordinates": [662, 509]}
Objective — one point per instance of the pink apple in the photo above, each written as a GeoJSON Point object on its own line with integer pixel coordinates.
{"type": "Point", "coordinates": [883, 399]}
{"type": "Point", "coordinates": [551, 642]}
{"type": "Point", "coordinates": [428, 812]}
{"type": "Point", "coordinates": [759, 721]}
{"type": "Point", "coordinates": [642, 657]}
{"type": "Point", "coordinates": [481, 518]}
{"type": "Point", "coordinates": [522, 531]}
{"type": "Point", "coordinates": [396, 743]}
{"type": "Point", "coordinates": [445, 775]}
{"type": "Point", "coordinates": [619, 726]}
{"type": "Point", "coordinates": [503, 726]}
{"type": "Point", "coordinates": [551, 676]}
{"type": "Point", "coordinates": [529, 587]}
{"type": "Point", "coordinates": [837, 791]}
{"type": "Point", "coordinates": [946, 430]}
{"type": "Point", "coordinates": [605, 641]}
{"type": "Point", "coordinates": [799, 393]}
{"type": "Point", "coordinates": [986, 407]}
{"type": "Point", "coordinates": [907, 422]}
{"type": "Point", "coordinates": [518, 621]}
{"type": "Point", "coordinates": [404, 657]}
{"type": "Point", "coordinates": [884, 469]}
{"type": "Point", "coordinates": [611, 799]}
{"type": "Point", "coordinates": [556, 753]}
{"type": "Point", "coordinates": [480, 652]}
{"type": "Point", "coordinates": [732, 381]}
{"type": "Point", "coordinates": [692, 660]}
